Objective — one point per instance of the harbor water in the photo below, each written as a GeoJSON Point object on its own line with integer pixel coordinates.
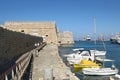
{"type": "Point", "coordinates": [113, 52]}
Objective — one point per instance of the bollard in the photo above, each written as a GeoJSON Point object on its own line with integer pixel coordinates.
{"type": "Point", "coordinates": [6, 78]}
{"type": "Point", "coordinates": [13, 74]}
{"type": "Point", "coordinates": [48, 74]}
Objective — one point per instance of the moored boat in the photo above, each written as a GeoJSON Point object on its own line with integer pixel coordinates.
{"type": "Point", "coordinates": [82, 54]}
{"type": "Point", "coordinates": [75, 58]}
{"type": "Point", "coordinates": [99, 71]}
{"type": "Point", "coordinates": [98, 52]}
{"type": "Point", "coordinates": [103, 70]}
{"type": "Point", "coordinates": [85, 64]}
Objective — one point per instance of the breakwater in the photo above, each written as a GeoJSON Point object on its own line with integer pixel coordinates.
{"type": "Point", "coordinates": [48, 65]}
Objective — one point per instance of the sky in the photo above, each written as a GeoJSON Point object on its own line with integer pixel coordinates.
{"type": "Point", "coordinates": [76, 16]}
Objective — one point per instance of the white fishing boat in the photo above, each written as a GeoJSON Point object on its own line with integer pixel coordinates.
{"type": "Point", "coordinates": [98, 52]}
{"type": "Point", "coordinates": [95, 51]}
{"type": "Point", "coordinates": [103, 70]}
{"type": "Point", "coordinates": [103, 60]}
{"type": "Point", "coordinates": [82, 54]}
{"type": "Point", "coordinates": [100, 71]}
{"type": "Point", "coordinates": [78, 55]}
{"type": "Point", "coordinates": [77, 49]}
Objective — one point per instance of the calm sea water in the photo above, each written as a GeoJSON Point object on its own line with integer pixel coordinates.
{"type": "Point", "coordinates": [113, 52]}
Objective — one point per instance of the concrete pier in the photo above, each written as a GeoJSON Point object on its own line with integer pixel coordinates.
{"type": "Point", "coordinates": [49, 60]}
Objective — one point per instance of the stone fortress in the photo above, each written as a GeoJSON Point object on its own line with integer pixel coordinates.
{"type": "Point", "coordinates": [19, 38]}
{"type": "Point", "coordinates": [47, 30]}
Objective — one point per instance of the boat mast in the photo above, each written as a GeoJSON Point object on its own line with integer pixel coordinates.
{"type": "Point", "coordinates": [95, 30]}
{"type": "Point", "coordinates": [94, 36]}
{"type": "Point", "coordinates": [103, 43]}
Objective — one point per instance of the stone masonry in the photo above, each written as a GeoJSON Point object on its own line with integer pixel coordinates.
{"type": "Point", "coordinates": [47, 30]}
{"type": "Point", "coordinates": [65, 37]}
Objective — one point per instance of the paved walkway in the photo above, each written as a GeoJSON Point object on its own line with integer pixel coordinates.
{"type": "Point", "coordinates": [49, 60]}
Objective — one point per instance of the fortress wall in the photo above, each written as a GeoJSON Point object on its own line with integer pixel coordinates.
{"type": "Point", "coordinates": [47, 30]}
{"type": "Point", "coordinates": [41, 29]}
{"type": "Point", "coordinates": [66, 38]}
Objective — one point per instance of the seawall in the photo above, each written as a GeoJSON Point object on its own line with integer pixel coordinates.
{"type": "Point", "coordinates": [48, 59]}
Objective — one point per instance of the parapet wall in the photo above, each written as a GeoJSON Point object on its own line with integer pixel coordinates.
{"type": "Point", "coordinates": [13, 45]}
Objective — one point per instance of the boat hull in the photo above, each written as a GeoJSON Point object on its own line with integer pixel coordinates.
{"type": "Point", "coordinates": [85, 64]}
{"type": "Point", "coordinates": [98, 53]}
{"type": "Point", "coordinates": [99, 71]}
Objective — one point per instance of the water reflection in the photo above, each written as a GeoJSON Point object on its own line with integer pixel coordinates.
{"type": "Point", "coordinates": [86, 77]}
{"type": "Point", "coordinates": [96, 77]}
{"type": "Point", "coordinates": [112, 53]}
{"type": "Point", "coordinates": [112, 77]}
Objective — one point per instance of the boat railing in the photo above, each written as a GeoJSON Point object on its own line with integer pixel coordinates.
{"type": "Point", "coordinates": [17, 71]}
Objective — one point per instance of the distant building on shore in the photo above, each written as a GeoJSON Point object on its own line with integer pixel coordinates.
{"type": "Point", "coordinates": [47, 30]}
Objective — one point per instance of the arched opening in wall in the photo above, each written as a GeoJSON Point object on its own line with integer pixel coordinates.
{"type": "Point", "coordinates": [22, 30]}
{"type": "Point", "coordinates": [46, 35]}
{"type": "Point", "coordinates": [59, 41]}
